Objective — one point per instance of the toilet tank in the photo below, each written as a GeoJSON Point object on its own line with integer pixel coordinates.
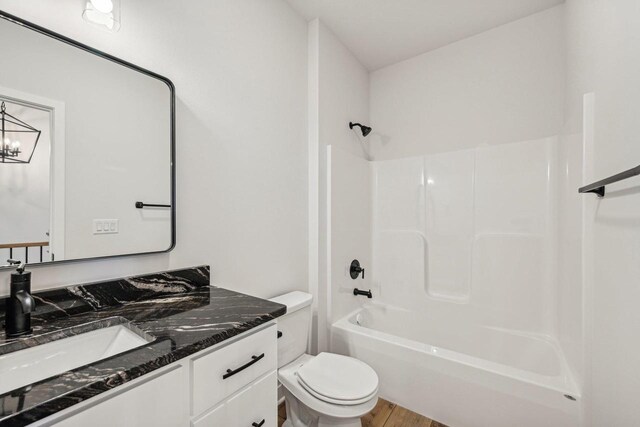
{"type": "Point", "coordinates": [294, 326]}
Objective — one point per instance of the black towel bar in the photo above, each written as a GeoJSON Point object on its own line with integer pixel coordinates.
{"type": "Point", "coordinates": [598, 187]}
{"type": "Point", "coordinates": [140, 205]}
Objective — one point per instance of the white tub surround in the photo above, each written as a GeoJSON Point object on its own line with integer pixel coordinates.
{"type": "Point", "coordinates": [464, 278]}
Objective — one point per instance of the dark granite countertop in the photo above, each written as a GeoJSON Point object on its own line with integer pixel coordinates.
{"type": "Point", "coordinates": [180, 312]}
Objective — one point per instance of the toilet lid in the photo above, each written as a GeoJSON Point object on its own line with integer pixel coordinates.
{"type": "Point", "coordinates": [338, 379]}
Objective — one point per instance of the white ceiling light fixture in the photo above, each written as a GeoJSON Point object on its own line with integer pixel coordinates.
{"type": "Point", "coordinates": [103, 13]}
{"type": "Point", "coordinates": [104, 6]}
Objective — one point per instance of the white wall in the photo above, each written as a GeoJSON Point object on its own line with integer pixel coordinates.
{"type": "Point", "coordinates": [338, 94]}
{"type": "Point", "coordinates": [603, 40]}
{"type": "Point", "coordinates": [344, 94]}
{"type": "Point", "coordinates": [241, 134]}
{"type": "Point", "coordinates": [500, 86]}
{"type": "Point", "coordinates": [350, 229]}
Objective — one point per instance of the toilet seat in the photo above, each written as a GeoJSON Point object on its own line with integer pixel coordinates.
{"type": "Point", "coordinates": [288, 377]}
{"type": "Point", "coordinates": [337, 379]}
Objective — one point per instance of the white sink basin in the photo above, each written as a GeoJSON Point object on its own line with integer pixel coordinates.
{"type": "Point", "coordinates": [24, 367]}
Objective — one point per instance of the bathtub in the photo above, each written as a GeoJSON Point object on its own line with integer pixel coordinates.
{"type": "Point", "coordinates": [461, 375]}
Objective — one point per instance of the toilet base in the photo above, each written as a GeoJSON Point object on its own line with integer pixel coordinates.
{"type": "Point", "coordinates": [299, 415]}
{"type": "Point", "coordinates": [357, 424]}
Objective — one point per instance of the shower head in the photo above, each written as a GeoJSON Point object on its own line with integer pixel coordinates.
{"type": "Point", "coordinates": [366, 130]}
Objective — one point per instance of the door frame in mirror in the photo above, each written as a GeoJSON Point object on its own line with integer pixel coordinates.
{"type": "Point", "coordinates": [57, 176]}
{"type": "Point", "coordinates": [52, 34]}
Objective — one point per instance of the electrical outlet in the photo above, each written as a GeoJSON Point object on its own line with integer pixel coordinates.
{"type": "Point", "coordinates": [106, 226]}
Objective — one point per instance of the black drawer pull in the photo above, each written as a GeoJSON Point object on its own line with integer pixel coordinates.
{"type": "Point", "coordinates": [231, 372]}
{"type": "Point", "coordinates": [258, 424]}
{"type": "Point", "coordinates": [279, 334]}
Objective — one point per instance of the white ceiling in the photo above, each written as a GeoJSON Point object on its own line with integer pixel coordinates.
{"type": "Point", "coordinates": [383, 32]}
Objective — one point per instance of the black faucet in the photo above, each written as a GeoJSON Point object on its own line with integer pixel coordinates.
{"type": "Point", "coordinates": [20, 303]}
{"type": "Point", "coordinates": [367, 294]}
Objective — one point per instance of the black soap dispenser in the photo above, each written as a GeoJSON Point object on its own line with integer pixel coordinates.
{"type": "Point", "coordinates": [20, 303]}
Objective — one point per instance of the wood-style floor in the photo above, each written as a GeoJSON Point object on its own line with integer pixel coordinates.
{"type": "Point", "coordinates": [385, 414]}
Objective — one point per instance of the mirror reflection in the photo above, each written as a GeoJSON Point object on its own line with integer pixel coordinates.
{"type": "Point", "coordinates": [85, 153]}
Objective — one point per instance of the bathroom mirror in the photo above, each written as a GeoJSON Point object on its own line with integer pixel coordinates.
{"type": "Point", "coordinates": [87, 151]}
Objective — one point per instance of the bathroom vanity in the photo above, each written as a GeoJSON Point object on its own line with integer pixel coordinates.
{"type": "Point", "coordinates": [94, 136]}
{"type": "Point", "coordinates": [163, 349]}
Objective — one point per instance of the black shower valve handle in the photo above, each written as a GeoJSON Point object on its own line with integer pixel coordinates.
{"type": "Point", "coordinates": [355, 269]}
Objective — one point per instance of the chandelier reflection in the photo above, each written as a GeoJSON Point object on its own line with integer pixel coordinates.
{"type": "Point", "coordinates": [18, 140]}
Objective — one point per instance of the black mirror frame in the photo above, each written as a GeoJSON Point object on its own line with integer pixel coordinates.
{"type": "Point", "coordinates": [34, 27]}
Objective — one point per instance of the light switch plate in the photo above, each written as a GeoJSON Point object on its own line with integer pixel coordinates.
{"type": "Point", "coordinates": [106, 226]}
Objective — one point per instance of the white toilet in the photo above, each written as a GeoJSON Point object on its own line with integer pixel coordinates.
{"type": "Point", "coordinates": [323, 390]}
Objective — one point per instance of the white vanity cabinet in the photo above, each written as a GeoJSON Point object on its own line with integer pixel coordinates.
{"type": "Point", "coordinates": [237, 385]}
{"type": "Point", "coordinates": [230, 384]}
{"type": "Point", "coordinates": [159, 401]}
{"type": "Point", "coordinates": [252, 407]}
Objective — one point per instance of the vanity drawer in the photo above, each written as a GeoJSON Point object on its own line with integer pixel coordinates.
{"type": "Point", "coordinates": [221, 373]}
{"type": "Point", "coordinates": [254, 406]}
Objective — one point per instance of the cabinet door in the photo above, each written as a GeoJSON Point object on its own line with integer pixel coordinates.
{"type": "Point", "coordinates": [159, 402]}
{"type": "Point", "coordinates": [259, 402]}
{"type": "Point", "coordinates": [256, 405]}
